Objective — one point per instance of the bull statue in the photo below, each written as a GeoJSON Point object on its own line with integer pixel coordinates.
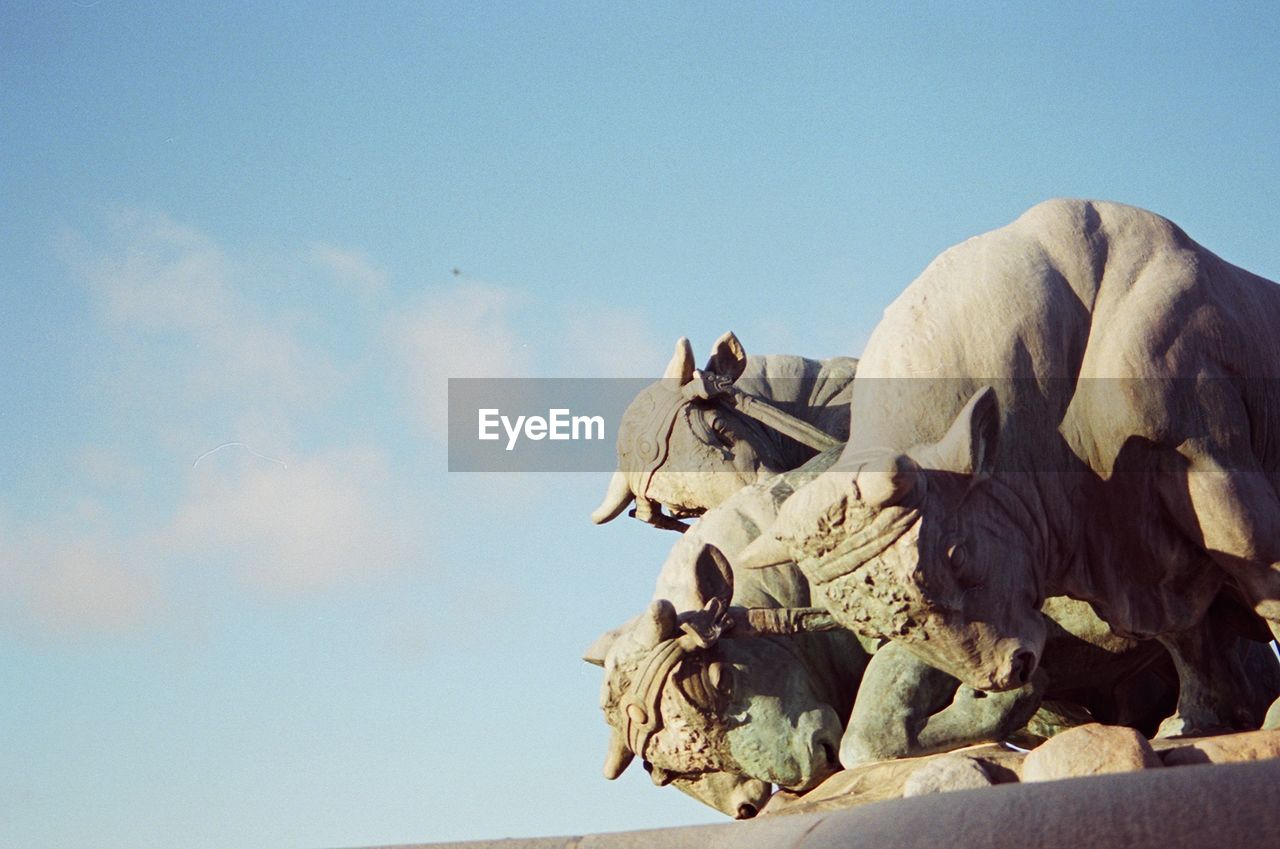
{"type": "Point", "coordinates": [672, 683]}
{"type": "Point", "coordinates": [731, 681]}
{"type": "Point", "coordinates": [693, 438]}
{"type": "Point", "coordinates": [1082, 403]}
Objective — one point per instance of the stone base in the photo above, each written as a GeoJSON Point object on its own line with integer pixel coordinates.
{"type": "Point", "coordinates": [1084, 751]}
{"type": "Point", "coordinates": [1187, 807]}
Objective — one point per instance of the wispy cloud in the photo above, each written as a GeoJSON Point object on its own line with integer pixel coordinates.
{"type": "Point", "coordinates": [157, 281]}
{"type": "Point", "coordinates": [210, 350]}
{"type": "Point", "coordinates": [305, 500]}
{"type": "Point", "coordinates": [72, 576]}
{"type": "Point", "coordinates": [298, 527]}
{"type": "Point", "coordinates": [467, 330]}
{"type": "Point", "coordinates": [350, 269]}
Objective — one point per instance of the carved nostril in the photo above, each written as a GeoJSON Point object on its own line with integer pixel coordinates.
{"type": "Point", "coordinates": [1021, 667]}
{"type": "Point", "coordinates": [746, 811]}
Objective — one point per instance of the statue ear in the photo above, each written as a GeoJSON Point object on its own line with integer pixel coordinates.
{"type": "Point", "coordinates": [681, 365]}
{"type": "Point", "coordinates": [969, 446]}
{"type": "Point", "coordinates": [727, 358]}
{"type": "Point", "coordinates": [713, 577]}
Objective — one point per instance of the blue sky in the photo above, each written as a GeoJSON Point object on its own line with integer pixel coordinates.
{"type": "Point", "coordinates": [239, 223]}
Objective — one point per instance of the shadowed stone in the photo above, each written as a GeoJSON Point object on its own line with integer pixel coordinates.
{"type": "Point", "coordinates": [1229, 748]}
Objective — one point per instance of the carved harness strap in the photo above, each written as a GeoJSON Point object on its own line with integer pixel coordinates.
{"type": "Point", "coordinates": [641, 704]}
{"type": "Point", "coordinates": [712, 387]}
{"type": "Point", "coordinates": [650, 420]}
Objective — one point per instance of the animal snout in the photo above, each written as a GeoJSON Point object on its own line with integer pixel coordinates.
{"type": "Point", "coordinates": [822, 758]}
{"type": "Point", "coordinates": [1021, 665]}
{"type": "Point", "coordinates": [745, 811]}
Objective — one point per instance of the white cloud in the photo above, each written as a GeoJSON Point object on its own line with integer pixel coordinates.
{"type": "Point", "coordinates": [464, 331]}
{"type": "Point", "coordinates": [324, 520]}
{"type": "Point", "coordinates": [203, 352]}
{"type": "Point", "coordinates": [71, 577]}
{"type": "Point", "coordinates": [159, 280]}
{"type": "Point", "coordinates": [350, 269]}
{"type": "Point", "coordinates": [162, 276]}
{"type": "Point", "coordinates": [327, 521]}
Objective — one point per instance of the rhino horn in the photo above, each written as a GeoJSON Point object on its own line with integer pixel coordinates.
{"type": "Point", "coordinates": [615, 500]}
{"type": "Point", "coordinates": [764, 552]}
{"type": "Point", "coordinates": [681, 365]}
{"type": "Point", "coordinates": [619, 756]}
{"type": "Point", "coordinates": [887, 480]}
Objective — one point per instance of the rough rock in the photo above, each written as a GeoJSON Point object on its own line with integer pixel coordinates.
{"type": "Point", "coordinates": [1089, 750]}
{"type": "Point", "coordinates": [885, 780]}
{"type": "Point", "coordinates": [1229, 748]}
{"type": "Point", "coordinates": [952, 772]}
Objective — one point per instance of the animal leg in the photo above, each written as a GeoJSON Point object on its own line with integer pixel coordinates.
{"type": "Point", "coordinates": [977, 717]}
{"type": "Point", "coordinates": [906, 707]}
{"type": "Point", "coordinates": [897, 694]}
{"type": "Point", "coordinates": [1230, 507]}
{"type": "Point", "coordinates": [1210, 682]}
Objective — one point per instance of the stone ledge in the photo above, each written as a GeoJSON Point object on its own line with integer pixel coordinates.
{"type": "Point", "coordinates": [1190, 807]}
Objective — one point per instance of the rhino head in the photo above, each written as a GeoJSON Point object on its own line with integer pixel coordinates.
{"type": "Point", "coordinates": [930, 549]}
{"type": "Point", "coordinates": [686, 455]}
{"type": "Point", "coordinates": [734, 717]}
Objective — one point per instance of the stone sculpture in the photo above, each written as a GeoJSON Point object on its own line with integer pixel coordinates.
{"type": "Point", "coordinates": [723, 719]}
{"type": "Point", "coordinates": [1115, 441]}
{"type": "Point", "coordinates": [732, 710]}
{"type": "Point", "coordinates": [693, 438]}
{"type": "Point", "coordinates": [1081, 403]}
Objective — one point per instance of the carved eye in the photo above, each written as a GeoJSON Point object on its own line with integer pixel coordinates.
{"type": "Point", "coordinates": [710, 426]}
{"type": "Point", "coordinates": [959, 560]}
{"type": "Point", "coordinates": [720, 676]}
{"type": "Point", "coordinates": [721, 431]}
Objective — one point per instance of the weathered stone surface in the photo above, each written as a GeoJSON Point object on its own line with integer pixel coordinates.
{"type": "Point", "coordinates": [949, 772]}
{"type": "Point", "coordinates": [1089, 750]}
{"type": "Point", "coordinates": [1225, 805]}
{"type": "Point", "coordinates": [886, 780]}
{"type": "Point", "coordinates": [1085, 421]}
{"type": "Point", "coordinates": [694, 438]}
{"type": "Point", "coordinates": [1229, 748]}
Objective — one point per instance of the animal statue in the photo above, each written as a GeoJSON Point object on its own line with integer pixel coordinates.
{"type": "Point", "coordinates": [731, 681]}
{"type": "Point", "coordinates": [692, 439]}
{"type": "Point", "coordinates": [1083, 403]}
{"type": "Point", "coordinates": [672, 682]}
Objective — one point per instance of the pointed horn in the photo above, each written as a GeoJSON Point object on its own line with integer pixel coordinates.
{"type": "Point", "coordinates": [615, 500]}
{"type": "Point", "coordinates": [681, 365]}
{"type": "Point", "coordinates": [765, 552]}
{"type": "Point", "coordinates": [618, 758]}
